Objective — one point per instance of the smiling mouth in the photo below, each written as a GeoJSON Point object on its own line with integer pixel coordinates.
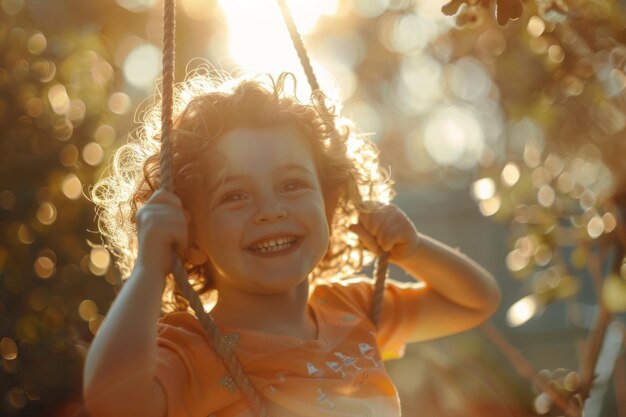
{"type": "Point", "coordinates": [274, 245]}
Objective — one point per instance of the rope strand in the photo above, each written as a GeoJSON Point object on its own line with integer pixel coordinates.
{"type": "Point", "coordinates": [218, 342]}
{"type": "Point", "coordinates": [380, 272]}
{"type": "Point", "coordinates": [382, 263]}
{"type": "Point", "coordinates": [296, 39]}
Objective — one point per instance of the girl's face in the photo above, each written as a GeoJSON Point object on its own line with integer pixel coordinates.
{"type": "Point", "coordinates": [262, 225]}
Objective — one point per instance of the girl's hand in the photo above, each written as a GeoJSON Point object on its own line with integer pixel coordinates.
{"type": "Point", "coordinates": [387, 229]}
{"type": "Point", "coordinates": [162, 229]}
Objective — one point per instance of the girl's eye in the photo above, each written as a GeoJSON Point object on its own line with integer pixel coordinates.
{"type": "Point", "coordinates": [232, 197]}
{"type": "Point", "coordinates": [294, 185]}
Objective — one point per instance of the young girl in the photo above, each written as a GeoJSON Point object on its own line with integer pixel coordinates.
{"type": "Point", "coordinates": [272, 218]}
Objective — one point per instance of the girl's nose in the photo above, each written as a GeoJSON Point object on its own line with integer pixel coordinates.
{"type": "Point", "coordinates": [269, 211]}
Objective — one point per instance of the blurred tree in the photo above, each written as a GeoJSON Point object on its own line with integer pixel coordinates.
{"type": "Point", "coordinates": [56, 117]}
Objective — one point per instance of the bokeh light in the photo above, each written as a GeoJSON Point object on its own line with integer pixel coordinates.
{"type": "Point", "coordinates": [94, 324]}
{"type": "Point", "coordinates": [25, 234]}
{"type": "Point", "coordinates": [105, 135]}
{"type": "Point", "coordinates": [12, 7]}
{"type": "Point", "coordinates": [88, 310]}
{"type": "Point", "coordinates": [44, 267]}
{"type": "Point", "coordinates": [610, 222]}
{"type": "Point", "coordinates": [68, 156]}
{"type": "Point", "coordinates": [7, 200]}
{"type": "Point", "coordinates": [542, 403]}
{"type": "Point", "coordinates": [454, 136]}
{"type": "Point", "coordinates": [510, 174]}
{"type": "Point", "coordinates": [142, 66]}
{"type": "Point", "coordinates": [59, 100]}
{"type": "Point", "coordinates": [408, 33]}
{"type": "Point", "coordinates": [469, 79]}
{"type": "Point", "coordinates": [77, 110]}
{"type": "Point", "coordinates": [419, 85]}
{"type": "Point", "coordinates": [536, 26]}
{"type": "Point", "coordinates": [491, 205]}
{"type": "Point", "coordinates": [136, 5]}
{"type": "Point", "coordinates": [522, 311]}
{"type": "Point", "coordinates": [93, 153]}
{"type": "Point", "coordinates": [8, 348]}
{"type": "Point", "coordinates": [516, 260]}
{"type": "Point", "coordinates": [46, 213]}
{"type": "Point", "coordinates": [71, 187]}
{"type": "Point", "coordinates": [483, 188]}
{"type": "Point", "coordinates": [371, 8]}
{"type": "Point", "coordinates": [37, 43]}
{"type": "Point", "coordinates": [614, 293]}
{"type": "Point", "coordinates": [546, 195]}
{"type": "Point", "coordinates": [543, 255]}
{"type": "Point", "coordinates": [595, 227]}
{"type": "Point", "coordinates": [63, 128]}
{"type": "Point", "coordinates": [119, 103]}
{"type": "Point", "coordinates": [99, 260]}
{"type": "Point", "coordinates": [196, 9]}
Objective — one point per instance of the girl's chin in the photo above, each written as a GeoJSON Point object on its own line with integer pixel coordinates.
{"type": "Point", "coordinates": [278, 282]}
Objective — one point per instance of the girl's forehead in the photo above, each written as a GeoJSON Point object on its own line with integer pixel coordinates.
{"type": "Point", "coordinates": [258, 150]}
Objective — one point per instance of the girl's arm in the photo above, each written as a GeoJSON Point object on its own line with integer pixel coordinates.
{"type": "Point", "coordinates": [119, 374]}
{"type": "Point", "coordinates": [120, 366]}
{"type": "Point", "coordinates": [457, 294]}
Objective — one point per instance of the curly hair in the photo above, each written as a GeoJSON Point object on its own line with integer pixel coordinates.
{"type": "Point", "coordinates": [208, 105]}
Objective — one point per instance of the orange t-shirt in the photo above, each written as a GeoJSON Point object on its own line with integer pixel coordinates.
{"type": "Point", "coordinates": [341, 373]}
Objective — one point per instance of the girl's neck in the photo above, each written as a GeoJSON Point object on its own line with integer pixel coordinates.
{"type": "Point", "coordinates": [284, 313]}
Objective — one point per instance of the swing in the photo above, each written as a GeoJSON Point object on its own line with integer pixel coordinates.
{"type": "Point", "coordinates": [218, 342]}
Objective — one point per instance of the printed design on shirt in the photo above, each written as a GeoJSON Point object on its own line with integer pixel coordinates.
{"type": "Point", "coordinates": [335, 367]}
{"type": "Point", "coordinates": [368, 352]}
{"type": "Point", "coordinates": [348, 318]}
{"type": "Point", "coordinates": [348, 361]}
{"type": "Point", "coordinates": [228, 382]}
{"type": "Point", "coordinates": [281, 376]}
{"type": "Point", "coordinates": [324, 400]}
{"type": "Point", "coordinates": [313, 371]}
{"type": "Point", "coordinates": [232, 338]}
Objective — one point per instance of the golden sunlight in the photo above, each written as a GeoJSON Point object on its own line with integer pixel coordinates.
{"type": "Point", "coordinates": [259, 41]}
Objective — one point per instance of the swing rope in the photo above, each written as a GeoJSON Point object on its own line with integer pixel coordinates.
{"type": "Point", "coordinates": [216, 338]}
{"type": "Point", "coordinates": [382, 262]}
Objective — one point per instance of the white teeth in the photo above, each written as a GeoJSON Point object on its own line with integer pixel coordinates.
{"type": "Point", "coordinates": [274, 245]}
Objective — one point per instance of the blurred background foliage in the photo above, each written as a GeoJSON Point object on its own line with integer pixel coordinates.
{"type": "Point", "coordinates": [522, 104]}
